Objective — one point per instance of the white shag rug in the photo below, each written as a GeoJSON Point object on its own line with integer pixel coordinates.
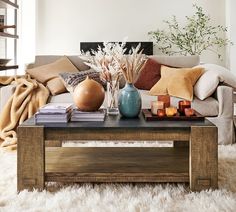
{"type": "Point", "coordinates": [120, 197]}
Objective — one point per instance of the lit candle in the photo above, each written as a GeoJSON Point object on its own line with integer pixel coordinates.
{"type": "Point", "coordinates": [165, 99]}
{"type": "Point", "coordinates": [156, 105]}
{"type": "Point", "coordinates": [161, 112]}
{"type": "Point", "coordinates": [184, 104]}
{"type": "Point", "coordinates": [189, 112]}
{"type": "Point", "coordinates": [171, 111]}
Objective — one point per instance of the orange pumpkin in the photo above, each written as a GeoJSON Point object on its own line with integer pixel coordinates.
{"type": "Point", "coordinates": [89, 95]}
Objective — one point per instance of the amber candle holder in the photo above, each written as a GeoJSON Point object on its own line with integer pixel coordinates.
{"type": "Point", "coordinates": [161, 112]}
{"type": "Point", "coordinates": [189, 112]}
{"type": "Point", "coordinates": [171, 111]}
{"type": "Point", "coordinates": [165, 99]}
{"type": "Point", "coordinates": [182, 105]}
{"type": "Point", "coordinates": [156, 105]}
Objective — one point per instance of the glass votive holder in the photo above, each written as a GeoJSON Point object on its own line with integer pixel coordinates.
{"type": "Point", "coordinates": [161, 112]}
{"type": "Point", "coordinates": [184, 104]}
{"type": "Point", "coordinates": [171, 111]}
{"type": "Point", "coordinates": [189, 112]}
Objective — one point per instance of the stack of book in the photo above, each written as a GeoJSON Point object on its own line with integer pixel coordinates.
{"type": "Point", "coordinates": [54, 113]}
{"type": "Point", "coordinates": [78, 115]}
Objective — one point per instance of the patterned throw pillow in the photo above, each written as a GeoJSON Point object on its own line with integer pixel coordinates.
{"type": "Point", "coordinates": [72, 80]}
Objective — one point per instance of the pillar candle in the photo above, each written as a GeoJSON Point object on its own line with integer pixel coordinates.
{"type": "Point", "coordinates": [165, 99]}
{"type": "Point", "coordinates": [156, 105]}
{"type": "Point", "coordinates": [184, 104]}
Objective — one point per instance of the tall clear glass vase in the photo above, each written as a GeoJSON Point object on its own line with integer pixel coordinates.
{"type": "Point", "coordinates": [112, 97]}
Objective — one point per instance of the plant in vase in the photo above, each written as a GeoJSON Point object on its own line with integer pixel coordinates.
{"type": "Point", "coordinates": [105, 60]}
{"type": "Point", "coordinates": [129, 99]}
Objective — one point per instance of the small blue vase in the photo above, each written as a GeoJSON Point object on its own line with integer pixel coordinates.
{"type": "Point", "coordinates": [129, 102]}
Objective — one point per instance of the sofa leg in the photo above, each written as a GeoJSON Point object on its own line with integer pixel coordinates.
{"type": "Point", "coordinates": [50, 143]}
{"type": "Point", "coordinates": [177, 144]}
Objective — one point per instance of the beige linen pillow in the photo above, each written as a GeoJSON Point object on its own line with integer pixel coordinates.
{"type": "Point", "coordinates": [177, 82]}
{"type": "Point", "coordinates": [49, 74]}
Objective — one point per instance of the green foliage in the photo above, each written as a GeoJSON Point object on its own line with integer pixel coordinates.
{"type": "Point", "coordinates": [196, 36]}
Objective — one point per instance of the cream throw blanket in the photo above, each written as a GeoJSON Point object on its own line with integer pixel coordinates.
{"type": "Point", "coordinates": [28, 96]}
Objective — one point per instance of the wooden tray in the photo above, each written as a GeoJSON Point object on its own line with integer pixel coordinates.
{"type": "Point", "coordinates": [148, 116]}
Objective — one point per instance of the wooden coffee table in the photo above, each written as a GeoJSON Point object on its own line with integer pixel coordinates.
{"type": "Point", "coordinates": [193, 159]}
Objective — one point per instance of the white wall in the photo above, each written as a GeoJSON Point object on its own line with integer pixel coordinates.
{"type": "Point", "coordinates": [231, 23]}
{"type": "Point", "coordinates": [62, 24]}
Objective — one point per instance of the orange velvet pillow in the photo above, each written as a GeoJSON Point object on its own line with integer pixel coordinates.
{"type": "Point", "coordinates": [177, 82]}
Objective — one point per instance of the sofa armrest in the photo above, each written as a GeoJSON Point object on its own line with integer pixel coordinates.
{"type": "Point", "coordinates": [224, 95]}
{"type": "Point", "coordinates": [5, 93]}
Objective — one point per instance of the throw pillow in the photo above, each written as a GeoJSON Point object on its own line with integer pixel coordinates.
{"type": "Point", "coordinates": [72, 80]}
{"type": "Point", "coordinates": [49, 74]}
{"type": "Point", "coordinates": [208, 82]}
{"type": "Point", "coordinates": [149, 75]}
{"type": "Point", "coordinates": [177, 82]}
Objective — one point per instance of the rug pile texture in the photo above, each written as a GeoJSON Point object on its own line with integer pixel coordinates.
{"type": "Point", "coordinates": [120, 197]}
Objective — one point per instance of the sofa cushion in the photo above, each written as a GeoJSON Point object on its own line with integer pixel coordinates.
{"type": "Point", "coordinates": [208, 82]}
{"type": "Point", "coordinates": [177, 82]}
{"type": "Point", "coordinates": [61, 98]}
{"type": "Point", "coordinates": [177, 61]}
{"type": "Point", "coordinates": [72, 80]}
{"type": "Point", "coordinates": [149, 75]}
{"type": "Point", "coordinates": [49, 74]}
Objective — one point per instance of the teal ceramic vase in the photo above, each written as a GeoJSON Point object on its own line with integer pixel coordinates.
{"type": "Point", "coordinates": [129, 102]}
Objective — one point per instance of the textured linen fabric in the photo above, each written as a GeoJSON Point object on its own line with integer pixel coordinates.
{"type": "Point", "coordinates": [208, 82]}
{"type": "Point", "coordinates": [177, 61]}
{"type": "Point", "coordinates": [177, 82]}
{"type": "Point", "coordinates": [72, 80]}
{"type": "Point", "coordinates": [149, 75]}
{"type": "Point", "coordinates": [50, 72]}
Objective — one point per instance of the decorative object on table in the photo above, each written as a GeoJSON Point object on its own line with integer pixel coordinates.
{"type": "Point", "coordinates": [78, 115]}
{"type": "Point", "coordinates": [156, 105]}
{"type": "Point", "coordinates": [71, 80]}
{"type": "Point", "coordinates": [148, 116]}
{"type": "Point", "coordinates": [171, 111]}
{"type": "Point", "coordinates": [130, 99]}
{"type": "Point", "coordinates": [54, 113]}
{"type": "Point", "coordinates": [185, 78]}
{"type": "Point", "coordinates": [165, 99]}
{"type": "Point", "coordinates": [106, 61]}
{"type": "Point", "coordinates": [89, 95]}
{"type": "Point", "coordinates": [182, 105]}
{"type": "Point", "coordinates": [197, 36]}
{"type": "Point", "coordinates": [161, 112]}
{"type": "Point", "coordinates": [189, 111]}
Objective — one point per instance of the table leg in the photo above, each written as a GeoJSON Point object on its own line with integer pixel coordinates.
{"type": "Point", "coordinates": [30, 158]}
{"type": "Point", "coordinates": [203, 158]}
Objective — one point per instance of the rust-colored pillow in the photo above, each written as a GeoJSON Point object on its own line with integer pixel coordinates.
{"type": "Point", "coordinates": [49, 74]}
{"type": "Point", "coordinates": [149, 75]}
{"type": "Point", "coordinates": [177, 82]}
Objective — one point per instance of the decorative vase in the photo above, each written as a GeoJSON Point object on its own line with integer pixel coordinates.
{"type": "Point", "coordinates": [89, 95]}
{"type": "Point", "coordinates": [112, 97]}
{"type": "Point", "coordinates": [130, 101]}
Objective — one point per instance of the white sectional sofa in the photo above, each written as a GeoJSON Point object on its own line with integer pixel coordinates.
{"type": "Point", "coordinates": [218, 108]}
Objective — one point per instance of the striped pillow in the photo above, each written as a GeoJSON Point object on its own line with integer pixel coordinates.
{"type": "Point", "coordinates": [72, 80]}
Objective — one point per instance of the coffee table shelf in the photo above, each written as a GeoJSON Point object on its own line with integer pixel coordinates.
{"type": "Point", "coordinates": [117, 164]}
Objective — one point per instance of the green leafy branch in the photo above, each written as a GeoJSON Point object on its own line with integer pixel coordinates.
{"type": "Point", "coordinates": [196, 36]}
